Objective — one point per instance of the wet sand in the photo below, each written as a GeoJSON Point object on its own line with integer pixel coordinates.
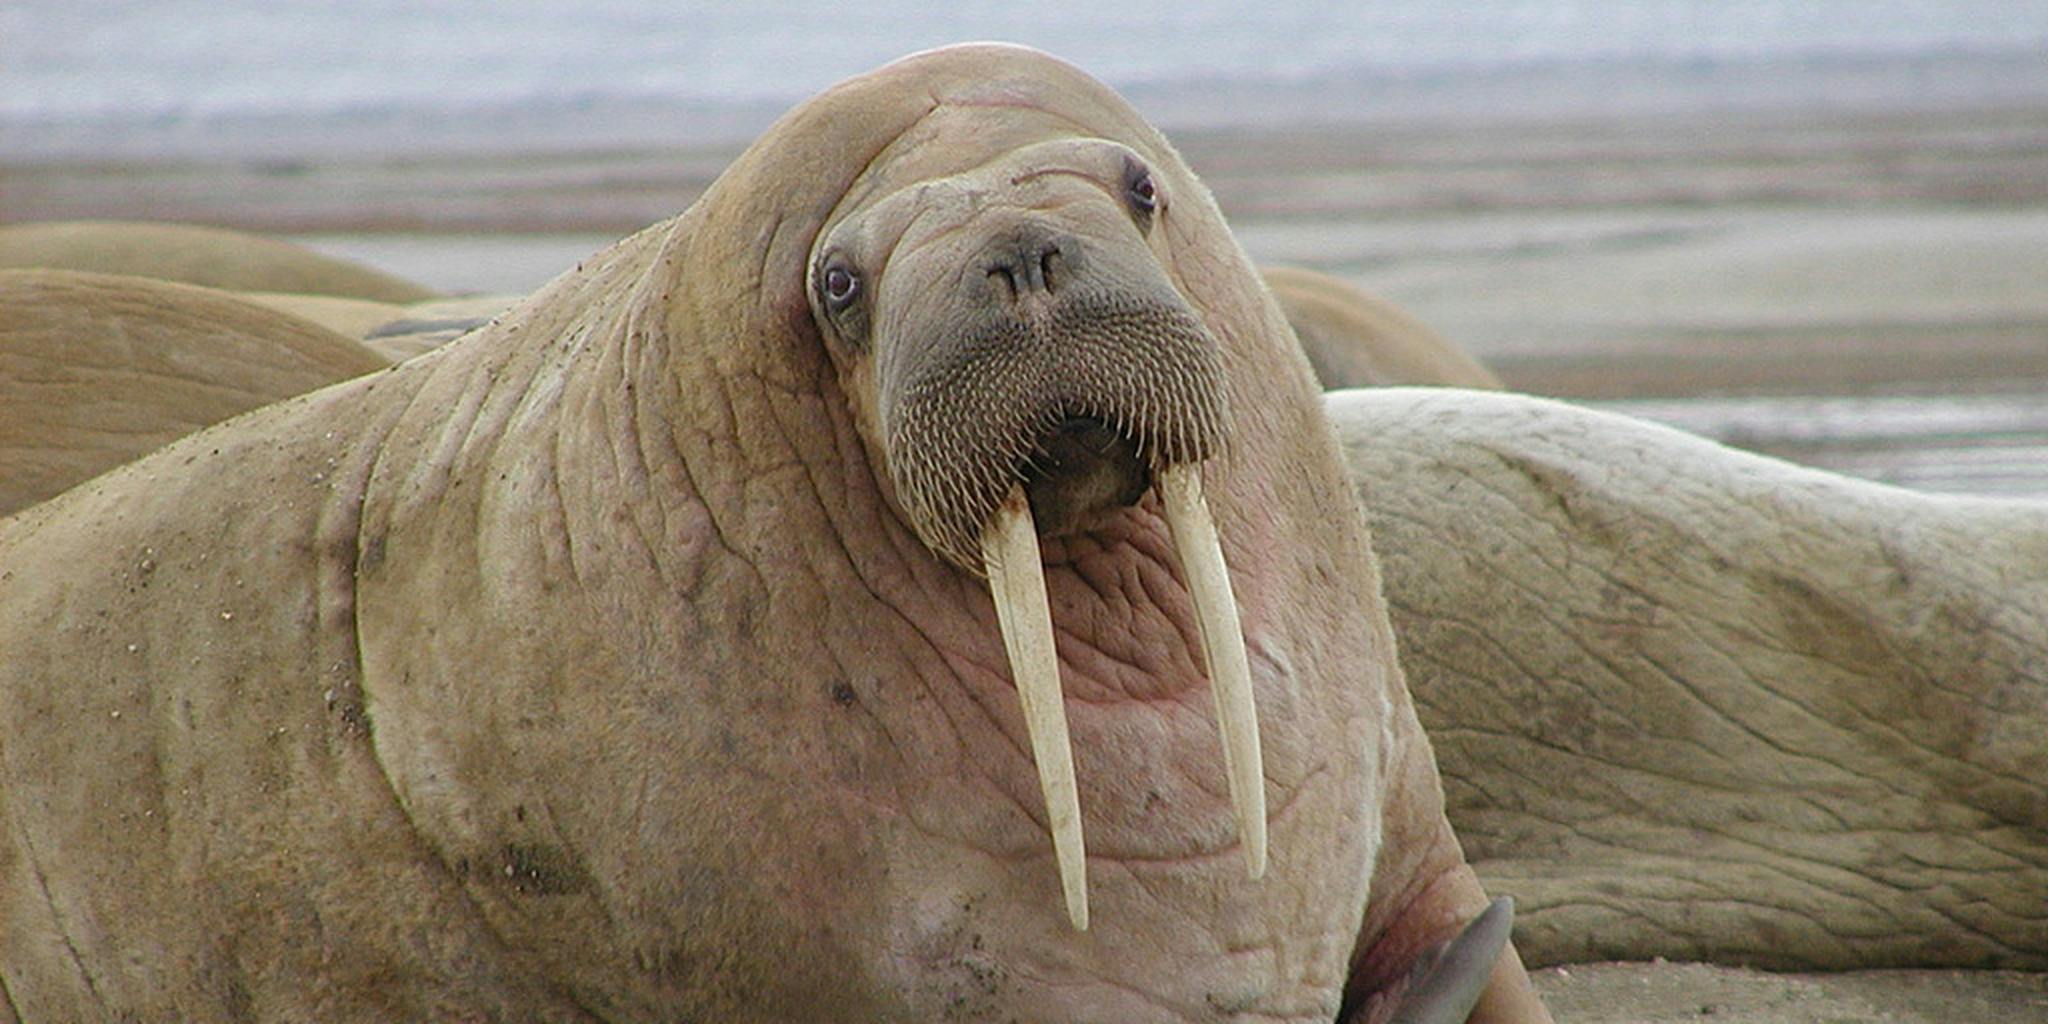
{"type": "Point", "coordinates": [1673, 993]}
{"type": "Point", "coordinates": [1864, 291]}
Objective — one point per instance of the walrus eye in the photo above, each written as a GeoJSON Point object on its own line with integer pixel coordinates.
{"type": "Point", "coordinates": [841, 286]}
{"type": "Point", "coordinates": [1143, 192]}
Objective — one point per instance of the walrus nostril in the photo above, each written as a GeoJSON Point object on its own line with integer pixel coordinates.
{"type": "Point", "coordinates": [1029, 263]}
{"type": "Point", "coordinates": [1049, 264]}
{"type": "Point", "coordinates": [1002, 274]}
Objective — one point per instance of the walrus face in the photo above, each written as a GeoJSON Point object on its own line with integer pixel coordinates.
{"type": "Point", "coordinates": [1021, 364]}
{"type": "Point", "coordinates": [1020, 331]}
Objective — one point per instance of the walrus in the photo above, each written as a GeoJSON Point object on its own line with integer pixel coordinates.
{"type": "Point", "coordinates": [100, 369]}
{"type": "Point", "coordinates": [1700, 704]}
{"type": "Point", "coordinates": [674, 647]}
{"type": "Point", "coordinates": [193, 254]}
{"type": "Point", "coordinates": [1354, 339]}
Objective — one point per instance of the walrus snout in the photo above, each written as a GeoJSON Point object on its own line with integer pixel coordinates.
{"type": "Point", "coordinates": [972, 409]}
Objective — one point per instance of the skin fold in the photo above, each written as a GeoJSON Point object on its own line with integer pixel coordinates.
{"type": "Point", "coordinates": [594, 666]}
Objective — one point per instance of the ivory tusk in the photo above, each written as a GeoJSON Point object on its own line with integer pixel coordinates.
{"type": "Point", "coordinates": [1237, 717]}
{"type": "Point", "coordinates": [1016, 579]}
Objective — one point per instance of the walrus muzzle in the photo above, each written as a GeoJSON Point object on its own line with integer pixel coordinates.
{"type": "Point", "coordinates": [1073, 407]}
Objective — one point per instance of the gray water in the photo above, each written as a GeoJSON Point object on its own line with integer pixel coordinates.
{"type": "Point", "coordinates": [123, 74]}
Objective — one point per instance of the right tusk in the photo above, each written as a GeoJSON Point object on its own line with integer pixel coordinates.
{"type": "Point", "coordinates": [1230, 677]}
{"type": "Point", "coordinates": [1016, 579]}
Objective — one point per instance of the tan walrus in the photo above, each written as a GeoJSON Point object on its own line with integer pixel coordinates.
{"type": "Point", "coordinates": [1353, 339]}
{"type": "Point", "coordinates": [633, 657]}
{"type": "Point", "coordinates": [100, 369]}
{"type": "Point", "coordinates": [1699, 704]}
{"type": "Point", "coordinates": [209, 256]}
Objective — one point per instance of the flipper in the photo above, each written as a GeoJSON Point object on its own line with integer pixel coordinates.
{"type": "Point", "coordinates": [1449, 977]}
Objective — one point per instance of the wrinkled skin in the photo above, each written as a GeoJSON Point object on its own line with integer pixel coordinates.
{"type": "Point", "coordinates": [1356, 340]}
{"type": "Point", "coordinates": [1699, 704]}
{"type": "Point", "coordinates": [100, 369]}
{"type": "Point", "coordinates": [588, 667]}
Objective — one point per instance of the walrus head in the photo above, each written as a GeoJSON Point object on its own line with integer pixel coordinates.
{"type": "Point", "coordinates": [1022, 365]}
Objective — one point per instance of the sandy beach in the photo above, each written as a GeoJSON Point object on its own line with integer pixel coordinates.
{"type": "Point", "coordinates": [1859, 289]}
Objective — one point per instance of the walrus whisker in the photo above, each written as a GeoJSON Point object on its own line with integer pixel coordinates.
{"type": "Point", "coordinates": [1016, 578]}
{"type": "Point", "coordinates": [1237, 716]}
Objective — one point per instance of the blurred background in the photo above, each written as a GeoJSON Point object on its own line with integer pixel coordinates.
{"type": "Point", "coordinates": [1817, 228]}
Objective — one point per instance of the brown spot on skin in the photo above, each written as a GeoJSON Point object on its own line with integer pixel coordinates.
{"type": "Point", "coordinates": [373, 552]}
{"type": "Point", "coordinates": [538, 869]}
{"type": "Point", "coordinates": [346, 701]}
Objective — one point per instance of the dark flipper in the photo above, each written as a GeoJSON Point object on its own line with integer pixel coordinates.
{"type": "Point", "coordinates": [1448, 978]}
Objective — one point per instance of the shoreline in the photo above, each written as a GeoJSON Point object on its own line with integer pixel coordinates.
{"type": "Point", "coordinates": [1821, 84]}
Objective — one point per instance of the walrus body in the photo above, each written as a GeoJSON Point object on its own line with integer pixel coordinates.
{"type": "Point", "coordinates": [208, 256]}
{"type": "Point", "coordinates": [1700, 704]}
{"type": "Point", "coordinates": [1357, 340]}
{"type": "Point", "coordinates": [100, 369]}
{"type": "Point", "coordinates": [599, 665]}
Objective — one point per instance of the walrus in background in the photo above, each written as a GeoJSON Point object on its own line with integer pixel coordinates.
{"type": "Point", "coordinates": [1699, 704]}
{"type": "Point", "coordinates": [395, 317]}
{"type": "Point", "coordinates": [1357, 340]}
{"type": "Point", "coordinates": [214, 257]}
{"type": "Point", "coordinates": [650, 652]}
{"type": "Point", "coordinates": [100, 369]}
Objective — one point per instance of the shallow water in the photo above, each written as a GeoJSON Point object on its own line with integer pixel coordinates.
{"type": "Point", "coordinates": [170, 58]}
{"type": "Point", "coordinates": [1988, 445]}
{"type": "Point", "coordinates": [143, 77]}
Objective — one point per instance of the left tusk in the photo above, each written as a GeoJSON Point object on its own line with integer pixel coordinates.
{"type": "Point", "coordinates": [1016, 579]}
{"type": "Point", "coordinates": [1230, 678]}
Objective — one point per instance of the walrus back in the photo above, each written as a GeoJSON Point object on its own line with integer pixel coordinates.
{"type": "Point", "coordinates": [214, 257]}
